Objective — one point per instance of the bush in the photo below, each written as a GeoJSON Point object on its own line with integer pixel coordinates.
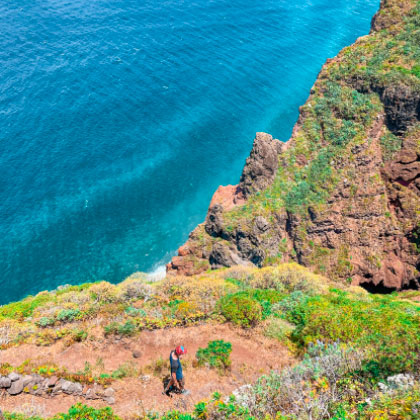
{"type": "Point", "coordinates": [45, 322]}
{"type": "Point", "coordinates": [68, 315]}
{"type": "Point", "coordinates": [278, 329]}
{"type": "Point", "coordinates": [128, 369]}
{"type": "Point", "coordinates": [241, 310]}
{"type": "Point", "coordinates": [216, 354]}
{"type": "Point", "coordinates": [83, 412]}
{"type": "Point", "coordinates": [306, 390]}
{"type": "Point", "coordinates": [76, 412]}
{"type": "Point", "coordinates": [127, 329]}
{"type": "Point", "coordinates": [386, 327]}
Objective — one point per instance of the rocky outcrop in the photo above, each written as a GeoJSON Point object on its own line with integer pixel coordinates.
{"type": "Point", "coordinates": [37, 385]}
{"type": "Point", "coordinates": [262, 164]}
{"type": "Point", "coordinates": [342, 196]}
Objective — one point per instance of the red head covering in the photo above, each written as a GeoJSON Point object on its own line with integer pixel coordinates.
{"type": "Point", "coordinates": [180, 350]}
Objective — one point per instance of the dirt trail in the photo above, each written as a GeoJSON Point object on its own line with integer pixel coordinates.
{"type": "Point", "coordinates": [252, 355]}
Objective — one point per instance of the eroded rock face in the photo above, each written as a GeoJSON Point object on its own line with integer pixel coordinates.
{"type": "Point", "coordinates": [402, 106]}
{"type": "Point", "coordinates": [261, 165]}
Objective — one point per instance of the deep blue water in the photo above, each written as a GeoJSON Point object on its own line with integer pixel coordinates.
{"type": "Point", "coordinates": [119, 119]}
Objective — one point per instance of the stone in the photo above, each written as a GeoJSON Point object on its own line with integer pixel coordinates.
{"type": "Point", "coordinates": [67, 387]}
{"type": "Point", "coordinates": [109, 392]}
{"type": "Point", "coordinates": [136, 354]}
{"type": "Point", "coordinates": [52, 381]}
{"type": "Point", "coordinates": [91, 394]}
{"type": "Point", "coordinates": [16, 387]}
{"type": "Point", "coordinates": [5, 382]}
{"type": "Point", "coordinates": [14, 376]}
{"type": "Point", "coordinates": [110, 400]}
{"type": "Point", "coordinates": [261, 224]}
{"type": "Point", "coordinates": [27, 380]}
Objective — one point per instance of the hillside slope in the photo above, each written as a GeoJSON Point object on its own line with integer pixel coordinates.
{"type": "Point", "coordinates": [342, 195]}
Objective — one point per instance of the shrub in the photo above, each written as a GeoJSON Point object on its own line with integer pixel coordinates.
{"type": "Point", "coordinates": [68, 315]}
{"type": "Point", "coordinates": [241, 310]}
{"type": "Point", "coordinates": [76, 412]}
{"type": "Point", "coordinates": [386, 327]}
{"type": "Point", "coordinates": [306, 390]}
{"type": "Point", "coordinates": [215, 355]}
{"type": "Point", "coordinates": [127, 329]}
{"type": "Point", "coordinates": [103, 292]}
{"type": "Point", "coordinates": [83, 412]}
{"type": "Point", "coordinates": [278, 329]}
{"type": "Point", "coordinates": [125, 370]}
{"type": "Point", "coordinates": [130, 311]}
{"type": "Point", "coordinates": [45, 322]}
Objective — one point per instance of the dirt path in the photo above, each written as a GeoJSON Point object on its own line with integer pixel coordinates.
{"type": "Point", "coordinates": [252, 355]}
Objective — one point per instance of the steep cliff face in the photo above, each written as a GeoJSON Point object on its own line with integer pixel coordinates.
{"type": "Point", "coordinates": [342, 195]}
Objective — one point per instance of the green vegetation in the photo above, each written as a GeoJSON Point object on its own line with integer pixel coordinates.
{"type": "Point", "coordinates": [241, 310]}
{"type": "Point", "coordinates": [349, 342]}
{"type": "Point", "coordinates": [215, 355]}
{"type": "Point", "coordinates": [76, 412]}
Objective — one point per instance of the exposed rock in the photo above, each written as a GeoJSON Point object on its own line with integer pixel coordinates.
{"type": "Point", "coordinates": [71, 387]}
{"type": "Point", "coordinates": [214, 221]}
{"type": "Point", "coordinates": [227, 196]}
{"type": "Point", "coordinates": [262, 224]}
{"type": "Point", "coordinates": [136, 354]}
{"type": "Point", "coordinates": [27, 380]}
{"type": "Point", "coordinates": [401, 106]}
{"type": "Point", "coordinates": [5, 382]}
{"type": "Point", "coordinates": [222, 256]}
{"type": "Point", "coordinates": [91, 394]}
{"type": "Point", "coordinates": [14, 376]}
{"type": "Point", "coordinates": [109, 392]}
{"type": "Point", "coordinates": [16, 387]}
{"type": "Point", "coordinates": [261, 166]}
{"type": "Point", "coordinates": [52, 381]}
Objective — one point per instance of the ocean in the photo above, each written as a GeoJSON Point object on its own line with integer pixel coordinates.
{"type": "Point", "coordinates": [120, 118]}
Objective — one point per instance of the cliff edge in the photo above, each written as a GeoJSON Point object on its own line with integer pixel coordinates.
{"type": "Point", "coordinates": [342, 195]}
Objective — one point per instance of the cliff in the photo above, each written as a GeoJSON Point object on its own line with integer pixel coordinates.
{"type": "Point", "coordinates": [342, 195]}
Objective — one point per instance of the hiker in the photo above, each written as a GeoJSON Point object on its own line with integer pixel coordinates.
{"type": "Point", "coordinates": [177, 381]}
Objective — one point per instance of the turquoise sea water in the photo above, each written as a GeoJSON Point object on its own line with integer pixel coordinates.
{"type": "Point", "coordinates": [119, 119]}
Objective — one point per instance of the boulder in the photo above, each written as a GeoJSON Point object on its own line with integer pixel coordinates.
{"type": "Point", "coordinates": [91, 394]}
{"type": "Point", "coordinates": [16, 387]}
{"type": "Point", "coordinates": [109, 392]}
{"type": "Point", "coordinates": [5, 382]}
{"type": "Point", "coordinates": [27, 380]}
{"type": "Point", "coordinates": [14, 376]}
{"type": "Point", "coordinates": [52, 381]}
{"type": "Point", "coordinates": [110, 400]}
{"type": "Point", "coordinates": [74, 388]}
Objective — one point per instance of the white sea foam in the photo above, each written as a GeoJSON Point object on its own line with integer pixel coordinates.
{"type": "Point", "coordinates": [157, 274]}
